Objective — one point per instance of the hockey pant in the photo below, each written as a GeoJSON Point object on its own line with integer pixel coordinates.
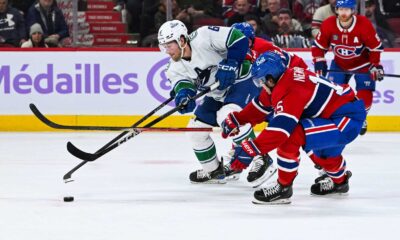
{"type": "Point", "coordinates": [365, 86]}
{"type": "Point", "coordinates": [323, 140]}
{"type": "Point", "coordinates": [211, 113]}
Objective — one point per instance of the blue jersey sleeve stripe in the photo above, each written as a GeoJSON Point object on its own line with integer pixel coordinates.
{"type": "Point", "coordinates": [278, 130]}
{"type": "Point", "coordinates": [320, 98]}
{"type": "Point", "coordinates": [286, 123]}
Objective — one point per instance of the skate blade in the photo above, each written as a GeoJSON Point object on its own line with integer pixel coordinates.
{"type": "Point", "coordinates": [331, 195]}
{"type": "Point", "coordinates": [214, 181]}
{"type": "Point", "coordinates": [276, 202]}
{"type": "Point", "coordinates": [267, 175]}
{"type": "Point", "coordinates": [233, 177]}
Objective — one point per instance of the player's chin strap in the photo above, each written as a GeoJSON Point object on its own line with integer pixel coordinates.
{"type": "Point", "coordinates": [267, 89]}
{"type": "Point", "coordinates": [183, 48]}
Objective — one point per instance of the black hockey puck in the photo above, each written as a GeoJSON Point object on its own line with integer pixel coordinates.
{"type": "Point", "coordinates": [68, 199]}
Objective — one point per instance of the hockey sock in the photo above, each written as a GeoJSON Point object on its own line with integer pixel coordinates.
{"type": "Point", "coordinates": [366, 96]}
{"type": "Point", "coordinates": [288, 165]}
{"type": "Point", "coordinates": [203, 146]}
{"type": "Point", "coordinates": [289, 156]}
{"type": "Point", "coordinates": [206, 153]}
{"type": "Point", "coordinates": [335, 167]}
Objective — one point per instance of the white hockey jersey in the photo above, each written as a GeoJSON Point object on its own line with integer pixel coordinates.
{"type": "Point", "coordinates": [209, 45]}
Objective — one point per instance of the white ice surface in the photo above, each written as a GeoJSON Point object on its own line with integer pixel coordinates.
{"type": "Point", "coordinates": [141, 191]}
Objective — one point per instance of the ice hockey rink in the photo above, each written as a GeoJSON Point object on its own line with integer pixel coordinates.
{"type": "Point", "coordinates": [141, 191]}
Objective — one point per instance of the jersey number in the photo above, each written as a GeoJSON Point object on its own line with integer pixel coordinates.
{"type": "Point", "coordinates": [279, 107]}
{"type": "Point", "coordinates": [213, 28]}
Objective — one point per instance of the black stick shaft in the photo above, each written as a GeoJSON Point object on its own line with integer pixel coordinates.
{"type": "Point", "coordinates": [365, 73]}
{"type": "Point", "coordinates": [68, 175]}
{"type": "Point", "coordinates": [92, 157]}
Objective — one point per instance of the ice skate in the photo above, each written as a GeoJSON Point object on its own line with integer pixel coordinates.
{"type": "Point", "coordinates": [230, 174]}
{"type": "Point", "coordinates": [364, 128]}
{"type": "Point", "coordinates": [275, 193]}
{"type": "Point", "coordinates": [262, 169]}
{"type": "Point", "coordinates": [322, 174]}
{"type": "Point", "coordinates": [327, 186]}
{"type": "Point", "coordinates": [215, 177]}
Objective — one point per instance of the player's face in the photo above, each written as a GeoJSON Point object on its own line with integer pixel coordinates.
{"type": "Point", "coordinates": [172, 49]}
{"type": "Point", "coordinates": [264, 82]}
{"type": "Point", "coordinates": [344, 14]}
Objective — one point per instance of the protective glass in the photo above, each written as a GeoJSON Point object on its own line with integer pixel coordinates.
{"type": "Point", "coordinates": [166, 47]}
{"type": "Point", "coordinates": [259, 82]}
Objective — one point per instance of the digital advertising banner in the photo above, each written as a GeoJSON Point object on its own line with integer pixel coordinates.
{"type": "Point", "coordinates": [118, 83]}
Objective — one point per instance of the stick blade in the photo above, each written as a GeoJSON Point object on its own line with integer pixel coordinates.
{"type": "Point", "coordinates": [80, 154]}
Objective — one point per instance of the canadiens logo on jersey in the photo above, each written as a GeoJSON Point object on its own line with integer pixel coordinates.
{"type": "Point", "coordinates": [347, 52]}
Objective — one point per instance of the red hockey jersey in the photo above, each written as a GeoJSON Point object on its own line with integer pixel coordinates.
{"type": "Point", "coordinates": [354, 48]}
{"type": "Point", "coordinates": [298, 94]}
{"type": "Point", "coordinates": [261, 46]}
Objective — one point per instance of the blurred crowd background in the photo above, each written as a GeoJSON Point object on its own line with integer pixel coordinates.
{"type": "Point", "coordinates": [134, 23]}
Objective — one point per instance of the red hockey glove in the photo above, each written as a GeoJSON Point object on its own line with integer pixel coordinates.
{"type": "Point", "coordinates": [244, 154]}
{"type": "Point", "coordinates": [376, 72]}
{"type": "Point", "coordinates": [230, 126]}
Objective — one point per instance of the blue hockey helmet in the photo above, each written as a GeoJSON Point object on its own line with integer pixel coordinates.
{"type": "Point", "coordinates": [346, 4]}
{"type": "Point", "coordinates": [246, 29]}
{"type": "Point", "coordinates": [267, 65]}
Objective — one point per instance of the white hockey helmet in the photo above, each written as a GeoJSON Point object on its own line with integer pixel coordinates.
{"type": "Point", "coordinates": [171, 31]}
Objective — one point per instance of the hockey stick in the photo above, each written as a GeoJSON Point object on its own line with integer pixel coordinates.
{"type": "Point", "coordinates": [350, 72]}
{"type": "Point", "coordinates": [93, 156]}
{"type": "Point", "coordinates": [68, 175]}
{"type": "Point", "coordinates": [55, 125]}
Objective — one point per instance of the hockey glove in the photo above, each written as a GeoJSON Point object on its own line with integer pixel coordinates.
{"type": "Point", "coordinates": [226, 73]}
{"type": "Point", "coordinates": [376, 72]}
{"type": "Point", "coordinates": [184, 98]}
{"type": "Point", "coordinates": [321, 68]}
{"type": "Point", "coordinates": [244, 154]}
{"type": "Point", "coordinates": [230, 126]}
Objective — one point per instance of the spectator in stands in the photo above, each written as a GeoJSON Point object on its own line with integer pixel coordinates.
{"type": "Point", "coordinates": [22, 5]}
{"type": "Point", "coordinates": [242, 7]}
{"type": "Point", "coordinates": [290, 32]}
{"type": "Point", "coordinates": [262, 9]}
{"type": "Point", "coordinates": [254, 21]}
{"type": "Point", "coordinates": [36, 39]}
{"type": "Point", "coordinates": [210, 8]}
{"type": "Point", "coordinates": [12, 26]}
{"type": "Point", "coordinates": [389, 8]}
{"type": "Point", "coordinates": [320, 15]}
{"type": "Point", "coordinates": [52, 21]}
{"type": "Point", "coordinates": [380, 23]}
{"type": "Point", "coordinates": [229, 8]}
{"type": "Point", "coordinates": [161, 15]}
{"type": "Point", "coordinates": [270, 21]}
{"type": "Point", "coordinates": [303, 11]}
